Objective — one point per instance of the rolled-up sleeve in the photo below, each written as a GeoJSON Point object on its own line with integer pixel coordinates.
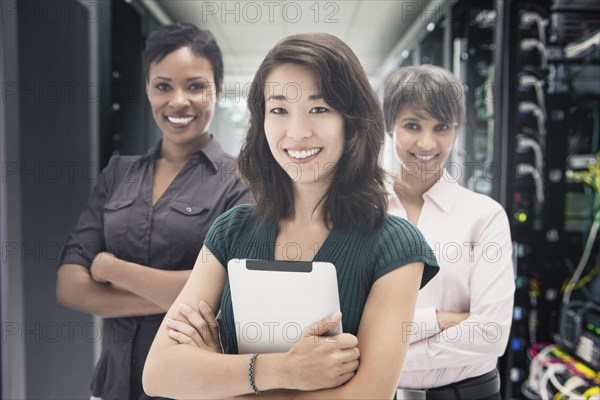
{"type": "Point", "coordinates": [87, 237]}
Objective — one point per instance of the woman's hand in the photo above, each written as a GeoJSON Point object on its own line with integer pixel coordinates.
{"type": "Point", "coordinates": [448, 319]}
{"type": "Point", "coordinates": [320, 361]}
{"type": "Point", "coordinates": [201, 328]}
{"type": "Point", "coordinates": [101, 266]}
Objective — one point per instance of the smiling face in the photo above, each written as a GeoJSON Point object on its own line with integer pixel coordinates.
{"type": "Point", "coordinates": [305, 134]}
{"type": "Point", "coordinates": [422, 144]}
{"type": "Point", "coordinates": [182, 94]}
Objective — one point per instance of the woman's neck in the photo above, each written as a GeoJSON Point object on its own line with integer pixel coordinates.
{"type": "Point", "coordinates": [412, 187]}
{"type": "Point", "coordinates": [308, 205]}
{"type": "Point", "coordinates": [177, 153]}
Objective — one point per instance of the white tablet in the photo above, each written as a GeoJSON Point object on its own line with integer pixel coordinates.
{"type": "Point", "coordinates": [274, 300]}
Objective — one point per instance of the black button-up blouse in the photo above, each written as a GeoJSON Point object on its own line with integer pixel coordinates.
{"type": "Point", "coordinates": [120, 219]}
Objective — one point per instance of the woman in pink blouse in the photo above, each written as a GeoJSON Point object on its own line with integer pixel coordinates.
{"type": "Point", "coordinates": [462, 321]}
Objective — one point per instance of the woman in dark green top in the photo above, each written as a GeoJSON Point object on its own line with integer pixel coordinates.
{"type": "Point", "coordinates": [311, 160]}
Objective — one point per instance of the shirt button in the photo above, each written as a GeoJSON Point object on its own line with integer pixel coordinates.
{"type": "Point", "coordinates": [188, 209]}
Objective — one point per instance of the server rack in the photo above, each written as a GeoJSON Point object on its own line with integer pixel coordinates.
{"type": "Point", "coordinates": [558, 44]}
{"type": "Point", "coordinates": [532, 78]}
{"type": "Point", "coordinates": [127, 119]}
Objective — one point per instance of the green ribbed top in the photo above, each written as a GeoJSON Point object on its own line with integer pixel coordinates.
{"type": "Point", "coordinates": [359, 259]}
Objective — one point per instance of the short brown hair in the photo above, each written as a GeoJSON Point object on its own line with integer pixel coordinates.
{"type": "Point", "coordinates": [357, 196]}
{"type": "Point", "coordinates": [425, 88]}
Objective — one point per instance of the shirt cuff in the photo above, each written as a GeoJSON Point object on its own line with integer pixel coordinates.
{"type": "Point", "coordinates": [425, 324]}
{"type": "Point", "coordinates": [73, 255]}
{"type": "Point", "coordinates": [416, 357]}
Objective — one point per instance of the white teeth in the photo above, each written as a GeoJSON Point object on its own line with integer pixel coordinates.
{"type": "Point", "coordinates": [303, 153]}
{"type": "Point", "coordinates": [180, 121]}
{"type": "Point", "coordinates": [424, 158]}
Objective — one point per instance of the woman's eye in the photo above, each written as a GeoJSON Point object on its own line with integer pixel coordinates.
{"type": "Point", "coordinates": [278, 110]}
{"type": "Point", "coordinates": [197, 86]}
{"type": "Point", "coordinates": [442, 127]}
{"type": "Point", "coordinates": [412, 126]}
{"type": "Point", "coordinates": [318, 110]}
{"type": "Point", "coordinates": [162, 87]}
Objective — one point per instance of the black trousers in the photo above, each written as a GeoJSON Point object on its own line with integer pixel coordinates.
{"type": "Point", "coordinates": [484, 387]}
{"type": "Point", "coordinates": [458, 397]}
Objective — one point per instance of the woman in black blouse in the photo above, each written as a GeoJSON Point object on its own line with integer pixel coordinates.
{"type": "Point", "coordinates": [135, 243]}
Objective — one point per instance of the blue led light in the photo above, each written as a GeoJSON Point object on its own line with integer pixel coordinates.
{"type": "Point", "coordinates": [516, 344]}
{"type": "Point", "coordinates": [518, 313]}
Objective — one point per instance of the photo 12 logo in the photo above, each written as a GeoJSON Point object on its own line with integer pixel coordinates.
{"type": "Point", "coordinates": [270, 11]}
{"type": "Point", "coordinates": [51, 12]}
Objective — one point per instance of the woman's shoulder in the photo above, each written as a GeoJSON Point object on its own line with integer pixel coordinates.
{"type": "Point", "coordinates": [118, 168]}
{"type": "Point", "coordinates": [395, 222]}
{"type": "Point", "coordinates": [215, 152]}
{"type": "Point", "coordinates": [120, 161]}
{"type": "Point", "coordinates": [237, 214]}
{"type": "Point", "coordinates": [231, 223]}
{"type": "Point", "coordinates": [399, 242]}
{"type": "Point", "coordinates": [395, 226]}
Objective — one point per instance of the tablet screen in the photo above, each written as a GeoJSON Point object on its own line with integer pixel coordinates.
{"type": "Point", "coordinates": [274, 300]}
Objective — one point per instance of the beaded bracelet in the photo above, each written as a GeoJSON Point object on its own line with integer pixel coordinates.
{"type": "Point", "coordinates": [251, 373]}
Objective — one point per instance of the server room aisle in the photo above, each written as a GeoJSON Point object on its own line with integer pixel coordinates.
{"type": "Point", "coordinates": [73, 94]}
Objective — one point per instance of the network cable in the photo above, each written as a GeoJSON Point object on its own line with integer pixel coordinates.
{"type": "Point", "coordinates": [538, 84]}
{"type": "Point", "coordinates": [582, 263]}
{"type": "Point", "coordinates": [528, 169]}
{"type": "Point", "coordinates": [531, 16]}
{"type": "Point", "coordinates": [592, 178]}
{"type": "Point", "coordinates": [536, 111]}
{"type": "Point", "coordinates": [531, 44]}
{"type": "Point", "coordinates": [523, 142]}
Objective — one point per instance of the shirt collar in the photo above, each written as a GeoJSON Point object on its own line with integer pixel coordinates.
{"type": "Point", "coordinates": [394, 203]}
{"type": "Point", "coordinates": [212, 153]}
{"type": "Point", "coordinates": [443, 193]}
{"type": "Point", "coordinates": [154, 150]}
